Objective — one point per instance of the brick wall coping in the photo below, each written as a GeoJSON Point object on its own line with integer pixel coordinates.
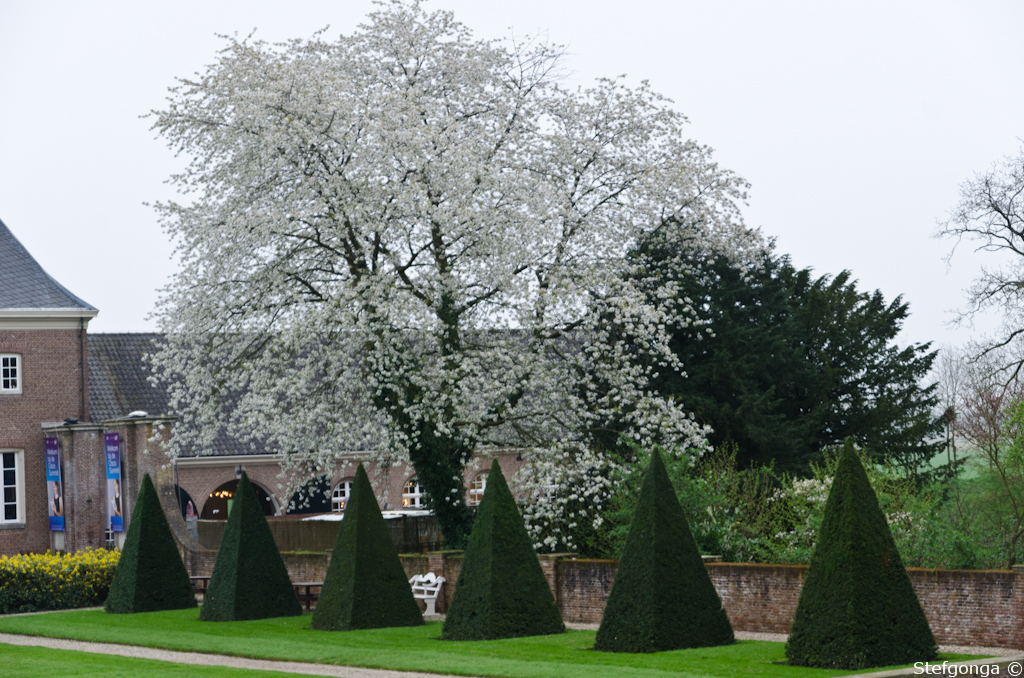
{"type": "Point", "coordinates": [802, 566]}
{"type": "Point", "coordinates": [937, 570]}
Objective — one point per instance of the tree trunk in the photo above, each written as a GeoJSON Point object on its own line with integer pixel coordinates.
{"type": "Point", "coordinates": [439, 462]}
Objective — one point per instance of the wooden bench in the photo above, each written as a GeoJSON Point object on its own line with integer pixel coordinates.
{"type": "Point", "coordinates": [427, 587]}
{"type": "Point", "coordinates": [304, 590]}
{"type": "Point", "coordinates": [200, 584]}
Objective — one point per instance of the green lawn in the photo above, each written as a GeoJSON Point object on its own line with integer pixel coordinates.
{"type": "Point", "coordinates": [417, 648]}
{"type": "Point", "coordinates": [40, 662]}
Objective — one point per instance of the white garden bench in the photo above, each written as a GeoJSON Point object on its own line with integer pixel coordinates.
{"type": "Point", "coordinates": [427, 587]}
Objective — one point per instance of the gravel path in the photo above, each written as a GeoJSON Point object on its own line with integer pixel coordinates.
{"type": "Point", "coordinates": [209, 659]}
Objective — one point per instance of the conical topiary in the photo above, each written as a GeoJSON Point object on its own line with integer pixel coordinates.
{"type": "Point", "coordinates": [366, 586]}
{"type": "Point", "coordinates": [501, 591]}
{"type": "Point", "coordinates": [662, 597]}
{"type": "Point", "coordinates": [857, 608]}
{"type": "Point", "coordinates": [249, 578]}
{"type": "Point", "coordinates": [150, 575]}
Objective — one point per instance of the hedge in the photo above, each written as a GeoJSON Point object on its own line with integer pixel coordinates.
{"type": "Point", "coordinates": [857, 608]}
{"type": "Point", "coordinates": [366, 586]}
{"type": "Point", "coordinates": [662, 598]}
{"type": "Point", "coordinates": [501, 591]}
{"type": "Point", "coordinates": [150, 575]}
{"type": "Point", "coordinates": [250, 580]}
{"type": "Point", "coordinates": [53, 581]}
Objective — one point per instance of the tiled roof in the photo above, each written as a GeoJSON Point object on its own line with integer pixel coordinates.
{"type": "Point", "coordinates": [23, 282]}
{"type": "Point", "coordinates": [119, 384]}
{"type": "Point", "coordinates": [119, 378]}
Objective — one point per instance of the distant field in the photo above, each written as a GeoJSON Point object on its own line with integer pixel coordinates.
{"type": "Point", "coordinates": [970, 469]}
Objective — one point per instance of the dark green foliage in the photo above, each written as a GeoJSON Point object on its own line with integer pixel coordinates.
{"type": "Point", "coordinates": [150, 575]}
{"type": "Point", "coordinates": [439, 460]}
{"type": "Point", "coordinates": [501, 592]}
{"type": "Point", "coordinates": [438, 456]}
{"type": "Point", "coordinates": [249, 578]}
{"type": "Point", "coordinates": [727, 509]}
{"type": "Point", "coordinates": [662, 598]}
{"type": "Point", "coordinates": [857, 608]}
{"type": "Point", "coordinates": [366, 586]}
{"type": "Point", "coordinates": [313, 497]}
{"type": "Point", "coordinates": [793, 364]}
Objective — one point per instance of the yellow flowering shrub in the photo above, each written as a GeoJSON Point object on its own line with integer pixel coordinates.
{"type": "Point", "coordinates": [52, 581]}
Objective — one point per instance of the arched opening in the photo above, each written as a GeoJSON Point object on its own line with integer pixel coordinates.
{"type": "Point", "coordinates": [184, 499]}
{"type": "Point", "coordinates": [313, 497]}
{"type": "Point", "coordinates": [218, 504]}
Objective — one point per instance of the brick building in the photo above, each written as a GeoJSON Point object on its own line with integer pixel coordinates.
{"type": "Point", "coordinates": [43, 354]}
{"type": "Point", "coordinates": [60, 382]}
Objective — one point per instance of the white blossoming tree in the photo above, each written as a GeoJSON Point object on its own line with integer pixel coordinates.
{"type": "Point", "coordinates": [410, 243]}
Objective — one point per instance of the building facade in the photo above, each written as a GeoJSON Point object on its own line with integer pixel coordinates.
{"type": "Point", "coordinates": [43, 378]}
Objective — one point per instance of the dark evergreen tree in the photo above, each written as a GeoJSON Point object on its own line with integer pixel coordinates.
{"type": "Point", "coordinates": [150, 575]}
{"type": "Point", "coordinates": [857, 608]}
{"type": "Point", "coordinates": [250, 580]}
{"type": "Point", "coordinates": [501, 591]}
{"type": "Point", "coordinates": [748, 378]}
{"type": "Point", "coordinates": [662, 598]}
{"type": "Point", "coordinates": [366, 586]}
{"type": "Point", "coordinates": [786, 365]}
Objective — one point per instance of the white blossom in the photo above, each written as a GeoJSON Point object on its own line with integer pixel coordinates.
{"type": "Point", "coordinates": [407, 226]}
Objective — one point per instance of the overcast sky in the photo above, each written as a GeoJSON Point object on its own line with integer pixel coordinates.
{"type": "Point", "coordinates": [855, 122]}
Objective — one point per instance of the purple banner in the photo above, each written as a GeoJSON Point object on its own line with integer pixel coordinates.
{"type": "Point", "coordinates": [112, 453]}
{"type": "Point", "coordinates": [54, 488]}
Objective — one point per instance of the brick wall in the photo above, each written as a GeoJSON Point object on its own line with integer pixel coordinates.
{"type": "Point", "coordinates": [975, 607]}
{"type": "Point", "coordinates": [84, 476]}
{"type": "Point", "coordinates": [51, 391]}
{"type": "Point", "coordinates": [964, 607]}
{"type": "Point", "coordinates": [758, 597]}
{"type": "Point", "coordinates": [583, 588]}
{"type": "Point", "coordinates": [306, 566]}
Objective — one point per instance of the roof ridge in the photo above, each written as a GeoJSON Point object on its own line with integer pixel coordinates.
{"type": "Point", "coordinates": [24, 284]}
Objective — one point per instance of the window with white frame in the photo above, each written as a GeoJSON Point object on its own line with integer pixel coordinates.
{"type": "Point", "coordinates": [476, 489]}
{"type": "Point", "coordinates": [13, 479]}
{"type": "Point", "coordinates": [10, 373]}
{"type": "Point", "coordinates": [412, 495]}
{"type": "Point", "coordinates": [339, 498]}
